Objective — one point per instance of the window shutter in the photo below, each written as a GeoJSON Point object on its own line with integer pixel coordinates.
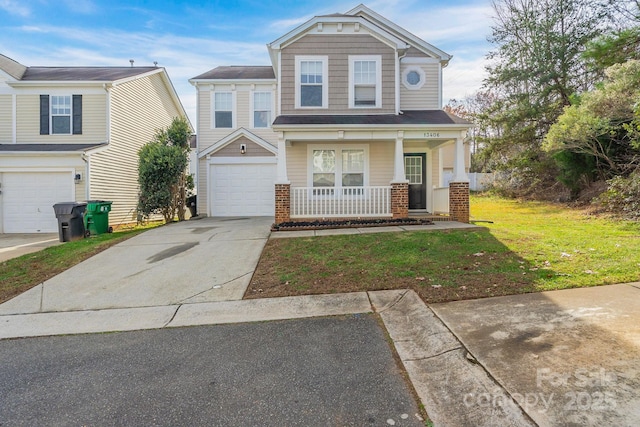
{"type": "Point", "coordinates": [77, 114]}
{"type": "Point", "coordinates": [44, 114]}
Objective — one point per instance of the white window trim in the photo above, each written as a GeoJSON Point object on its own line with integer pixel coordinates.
{"type": "Point", "coordinates": [325, 80]}
{"type": "Point", "coordinates": [418, 70]}
{"type": "Point", "coordinates": [252, 109]}
{"type": "Point", "coordinates": [233, 109]}
{"type": "Point", "coordinates": [378, 60]}
{"type": "Point", "coordinates": [51, 115]}
{"type": "Point", "coordinates": [338, 149]}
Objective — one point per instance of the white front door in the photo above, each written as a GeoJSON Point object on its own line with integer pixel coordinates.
{"type": "Point", "coordinates": [28, 199]}
{"type": "Point", "coordinates": [242, 189]}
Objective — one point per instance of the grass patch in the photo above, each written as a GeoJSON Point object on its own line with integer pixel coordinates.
{"type": "Point", "coordinates": [21, 274]}
{"type": "Point", "coordinates": [529, 247]}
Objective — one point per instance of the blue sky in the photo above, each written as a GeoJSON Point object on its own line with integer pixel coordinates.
{"type": "Point", "coordinates": [191, 37]}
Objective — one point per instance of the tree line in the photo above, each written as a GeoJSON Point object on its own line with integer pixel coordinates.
{"type": "Point", "coordinates": [559, 114]}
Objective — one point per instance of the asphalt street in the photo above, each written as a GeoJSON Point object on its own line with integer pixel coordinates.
{"type": "Point", "coordinates": [307, 372]}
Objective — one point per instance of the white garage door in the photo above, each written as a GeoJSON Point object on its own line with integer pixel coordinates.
{"type": "Point", "coordinates": [242, 189]}
{"type": "Point", "coordinates": [28, 199]}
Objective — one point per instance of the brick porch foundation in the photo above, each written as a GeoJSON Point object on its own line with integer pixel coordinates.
{"type": "Point", "coordinates": [283, 203]}
{"type": "Point", "coordinates": [459, 201]}
{"type": "Point", "coordinates": [400, 200]}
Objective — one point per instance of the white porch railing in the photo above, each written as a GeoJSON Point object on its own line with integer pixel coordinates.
{"type": "Point", "coordinates": [441, 200]}
{"type": "Point", "coordinates": [345, 202]}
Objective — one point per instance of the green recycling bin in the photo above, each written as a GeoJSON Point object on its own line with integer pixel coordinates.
{"type": "Point", "coordinates": [96, 217]}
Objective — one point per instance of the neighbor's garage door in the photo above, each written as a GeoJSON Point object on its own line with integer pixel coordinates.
{"type": "Point", "coordinates": [242, 189]}
{"type": "Point", "coordinates": [28, 199]}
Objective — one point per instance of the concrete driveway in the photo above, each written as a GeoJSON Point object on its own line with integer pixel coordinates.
{"type": "Point", "coordinates": [187, 262]}
{"type": "Point", "coordinates": [569, 357]}
{"type": "Point", "coordinates": [15, 245]}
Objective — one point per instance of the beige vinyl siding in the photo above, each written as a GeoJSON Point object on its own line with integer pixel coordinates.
{"type": "Point", "coordinates": [435, 170]}
{"type": "Point", "coordinates": [233, 149]}
{"type": "Point", "coordinates": [6, 119]}
{"type": "Point", "coordinates": [297, 164]}
{"type": "Point", "coordinates": [449, 156]}
{"type": "Point", "coordinates": [414, 52]}
{"type": "Point", "coordinates": [94, 120]}
{"type": "Point", "coordinates": [81, 187]}
{"type": "Point", "coordinates": [242, 109]}
{"type": "Point", "coordinates": [201, 187]}
{"type": "Point", "coordinates": [425, 98]}
{"type": "Point", "coordinates": [337, 48]}
{"type": "Point", "coordinates": [138, 108]}
{"type": "Point", "coordinates": [208, 137]}
{"type": "Point", "coordinates": [380, 162]}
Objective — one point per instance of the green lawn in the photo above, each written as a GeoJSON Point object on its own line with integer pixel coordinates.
{"type": "Point", "coordinates": [529, 247]}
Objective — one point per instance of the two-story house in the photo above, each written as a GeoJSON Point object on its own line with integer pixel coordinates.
{"type": "Point", "coordinates": [345, 123]}
{"type": "Point", "coordinates": [73, 134]}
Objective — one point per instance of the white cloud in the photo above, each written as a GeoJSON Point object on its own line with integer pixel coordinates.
{"type": "Point", "coordinates": [463, 78]}
{"type": "Point", "coordinates": [15, 7]}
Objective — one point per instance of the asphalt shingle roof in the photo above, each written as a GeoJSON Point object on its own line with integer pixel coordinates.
{"type": "Point", "coordinates": [422, 117]}
{"type": "Point", "coordinates": [51, 148]}
{"type": "Point", "coordinates": [237, 72]}
{"type": "Point", "coordinates": [83, 73]}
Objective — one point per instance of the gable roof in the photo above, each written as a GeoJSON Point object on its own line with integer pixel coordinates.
{"type": "Point", "coordinates": [415, 41]}
{"type": "Point", "coordinates": [296, 33]}
{"type": "Point", "coordinates": [83, 73]}
{"type": "Point", "coordinates": [242, 132]}
{"type": "Point", "coordinates": [55, 76]}
{"type": "Point", "coordinates": [238, 72]}
{"type": "Point", "coordinates": [11, 67]}
{"type": "Point", "coordinates": [378, 25]}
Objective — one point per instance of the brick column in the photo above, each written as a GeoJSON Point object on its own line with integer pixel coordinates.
{"type": "Point", "coordinates": [400, 200]}
{"type": "Point", "coordinates": [459, 201]}
{"type": "Point", "coordinates": [283, 203]}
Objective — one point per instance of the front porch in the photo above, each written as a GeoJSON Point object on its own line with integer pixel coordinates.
{"type": "Point", "coordinates": [306, 203]}
{"type": "Point", "coordinates": [347, 172]}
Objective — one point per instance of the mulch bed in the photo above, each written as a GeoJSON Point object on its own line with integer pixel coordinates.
{"type": "Point", "coordinates": [352, 223]}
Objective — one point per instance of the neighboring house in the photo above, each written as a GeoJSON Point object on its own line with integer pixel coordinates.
{"type": "Point", "coordinates": [73, 134]}
{"type": "Point", "coordinates": [345, 123]}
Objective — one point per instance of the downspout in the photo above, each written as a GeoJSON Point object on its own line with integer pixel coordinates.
{"type": "Point", "coordinates": [14, 121]}
{"type": "Point", "coordinates": [197, 165]}
{"type": "Point", "coordinates": [107, 88]}
{"type": "Point", "coordinates": [87, 176]}
{"type": "Point", "coordinates": [400, 56]}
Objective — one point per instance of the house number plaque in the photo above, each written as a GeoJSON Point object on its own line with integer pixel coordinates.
{"type": "Point", "coordinates": [432, 134]}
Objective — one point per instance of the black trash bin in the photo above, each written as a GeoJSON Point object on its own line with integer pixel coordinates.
{"type": "Point", "coordinates": [192, 204]}
{"type": "Point", "coordinates": [70, 220]}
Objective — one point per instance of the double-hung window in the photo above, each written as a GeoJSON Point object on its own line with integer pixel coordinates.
{"type": "Point", "coordinates": [61, 114]}
{"type": "Point", "coordinates": [311, 82]}
{"type": "Point", "coordinates": [341, 168]}
{"type": "Point", "coordinates": [365, 87]}
{"type": "Point", "coordinates": [261, 109]}
{"type": "Point", "coordinates": [223, 110]}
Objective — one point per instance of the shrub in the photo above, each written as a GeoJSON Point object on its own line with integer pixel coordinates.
{"type": "Point", "coordinates": [622, 196]}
